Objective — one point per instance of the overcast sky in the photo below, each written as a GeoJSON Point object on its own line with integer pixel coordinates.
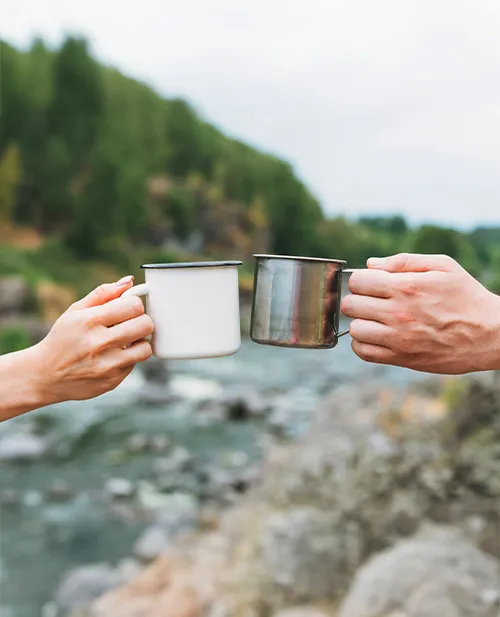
{"type": "Point", "coordinates": [381, 105]}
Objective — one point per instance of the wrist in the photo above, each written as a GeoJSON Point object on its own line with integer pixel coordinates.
{"type": "Point", "coordinates": [20, 387]}
{"type": "Point", "coordinates": [37, 376]}
{"type": "Point", "coordinates": [490, 357]}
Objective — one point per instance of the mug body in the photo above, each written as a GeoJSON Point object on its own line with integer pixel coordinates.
{"type": "Point", "coordinates": [195, 309]}
{"type": "Point", "coordinates": [296, 301]}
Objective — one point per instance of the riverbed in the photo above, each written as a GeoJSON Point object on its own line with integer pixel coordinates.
{"type": "Point", "coordinates": [42, 538]}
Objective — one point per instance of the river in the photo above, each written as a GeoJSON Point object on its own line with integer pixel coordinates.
{"type": "Point", "coordinates": [42, 540]}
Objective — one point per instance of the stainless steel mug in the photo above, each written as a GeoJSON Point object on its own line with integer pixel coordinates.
{"type": "Point", "coordinates": [296, 301]}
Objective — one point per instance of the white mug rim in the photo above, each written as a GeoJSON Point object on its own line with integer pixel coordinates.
{"type": "Point", "coordinates": [192, 264]}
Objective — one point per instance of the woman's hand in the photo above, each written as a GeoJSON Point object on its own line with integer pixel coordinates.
{"type": "Point", "coordinates": [93, 346]}
{"type": "Point", "coordinates": [423, 312]}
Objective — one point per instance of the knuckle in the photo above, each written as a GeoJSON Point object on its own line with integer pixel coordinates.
{"type": "Point", "coordinates": [91, 319]}
{"type": "Point", "coordinates": [136, 305]}
{"type": "Point", "coordinates": [145, 352]}
{"type": "Point", "coordinates": [403, 259]}
{"type": "Point", "coordinates": [407, 289]}
{"type": "Point", "coordinates": [148, 325]}
{"type": "Point", "coordinates": [346, 304]}
{"type": "Point", "coordinates": [356, 280]}
{"type": "Point", "coordinates": [403, 317]}
{"type": "Point", "coordinates": [354, 328]}
{"type": "Point", "coordinates": [100, 291]}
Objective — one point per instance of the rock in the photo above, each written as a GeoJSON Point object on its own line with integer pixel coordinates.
{"type": "Point", "coordinates": [306, 554]}
{"type": "Point", "coordinates": [178, 461]}
{"type": "Point", "coordinates": [137, 443]}
{"type": "Point", "coordinates": [303, 611]}
{"type": "Point", "coordinates": [59, 490]}
{"type": "Point", "coordinates": [152, 543]}
{"type": "Point", "coordinates": [15, 296]}
{"type": "Point", "coordinates": [281, 421]}
{"type": "Point", "coordinates": [155, 371]}
{"type": "Point", "coordinates": [243, 402]}
{"type": "Point", "coordinates": [128, 569]}
{"type": "Point", "coordinates": [32, 499]}
{"type": "Point", "coordinates": [436, 572]}
{"type": "Point", "coordinates": [161, 591]}
{"type": "Point", "coordinates": [119, 488]}
{"type": "Point", "coordinates": [180, 514]}
{"type": "Point", "coordinates": [10, 497]}
{"type": "Point", "coordinates": [160, 443]}
{"type": "Point", "coordinates": [154, 394]}
{"type": "Point", "coordinates": [82, 586]}
{"type": "Point", "coordinates": [22, 447]}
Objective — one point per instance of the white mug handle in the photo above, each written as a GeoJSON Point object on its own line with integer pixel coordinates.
{"type": "Point", "coordinates": [138, 290]}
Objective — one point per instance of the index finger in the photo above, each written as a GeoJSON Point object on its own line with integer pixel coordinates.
{"type": "Point", "coordinates": [117, 311]}
{"type": "Point", "coordinates": [375, 283]}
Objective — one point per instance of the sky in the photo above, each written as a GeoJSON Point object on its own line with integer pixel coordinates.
{"type": "Point", "coordinates": [381, 106]}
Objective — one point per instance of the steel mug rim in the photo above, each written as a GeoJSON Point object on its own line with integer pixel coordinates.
{"type": "Point", "coordinates": [297, 258]}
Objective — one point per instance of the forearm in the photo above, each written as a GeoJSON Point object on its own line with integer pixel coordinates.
{"type": "Point", "coordinates": [20, 389]}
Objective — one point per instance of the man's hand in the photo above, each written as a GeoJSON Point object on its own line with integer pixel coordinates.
{"type": "Point", "coordinates": [423, 312]}
{"type": "Point", "coordinates": [92, 347]}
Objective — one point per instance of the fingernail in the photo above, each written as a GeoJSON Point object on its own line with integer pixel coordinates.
{"type": "Point", "coordinates": [377, 261]}
{"type": "Point", "coordinates": [125, 280]}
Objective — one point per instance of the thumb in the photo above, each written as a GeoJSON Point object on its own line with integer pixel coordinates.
{"type": "Point", "coordinates": [414, 262]}
{"type": "Point", "coordinates": [104, 293]}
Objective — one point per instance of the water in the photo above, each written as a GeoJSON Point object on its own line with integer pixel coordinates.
{"type": "Point", "coordinates": [41, 541]}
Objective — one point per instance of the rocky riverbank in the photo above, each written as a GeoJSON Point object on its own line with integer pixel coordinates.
{"type": "Point", "coordinates": [387, 507]}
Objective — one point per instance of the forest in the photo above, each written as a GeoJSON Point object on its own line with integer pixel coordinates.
{"type": "Point", "coordinates": [102, 169]}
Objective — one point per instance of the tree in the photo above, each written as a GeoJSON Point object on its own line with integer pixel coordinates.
{"type": "Point", "coordinates": [75, 111]}
{"type": "Point", "coordinates": [430, 239]}
{"type": "Point", "coordinates": [10, 176]}
{"type": "Point", "coordinates": [12, 95]}
{"type": "Point", "coordinates": [395, 225]}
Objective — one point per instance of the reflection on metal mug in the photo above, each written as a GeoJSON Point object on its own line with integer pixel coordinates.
{"type": "Point", "coordinates": [296, 301]}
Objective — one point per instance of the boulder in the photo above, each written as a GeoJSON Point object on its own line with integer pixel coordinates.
{"type": "Point", "coordinates": [10, 497]}
{"type": "Point", "coordinates": [303, 611]}
{"type": "Point", "coordinates": [160, 443]}
{"type": "Point", "coordinates": [151, 544]}
{"type": "Point", "coordinates": [82, 586]}
{"type": "Point", "coordinates": [22, 447]}
{"type": "Point", "coordinates": [243, 402]}
{"type": "Point", "coordinates": [15, 296]}
{"type": "Point", "coordinates": [155, 371]}
{"type": "Point", "coordinates": [306, 554]}
{"type": "Point", "coordinates": [137, 443]}
{"type": "Point", "coordinates": [436, 572]}
{"type": "Point", "coordinates": [178, 461]}
{"type": "Point", "coordinates": [119, 488]}
{"type": "Point", "coordinates": [59, 490]}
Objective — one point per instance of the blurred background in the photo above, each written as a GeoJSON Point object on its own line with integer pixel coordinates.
{"type": "Point", "coordinates": [275, 483]}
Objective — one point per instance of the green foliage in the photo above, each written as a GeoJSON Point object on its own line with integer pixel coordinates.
{"type": "Point", "coordinates": [393, 225]}
{"type": "Point", "coordinates": [80, 145]}
{"type": "Point", "coordinates": [435, 240]}
{"type": "Point", "coordinates": [13, 339]}
{"type": "Point", "coordinates": [10, 176]}
{"type": "Point", "coordinates": [181, 208]}
{"type": "Point", "coordinates": [75, 109]}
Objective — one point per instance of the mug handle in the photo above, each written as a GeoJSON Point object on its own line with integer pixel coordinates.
{"type": "Point", "coordinates": [137, 290]}
{"type": "Point", "coordinates": [347, 271]}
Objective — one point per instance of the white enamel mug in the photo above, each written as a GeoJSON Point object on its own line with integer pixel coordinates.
{"type": "Point", "coordinates": [195, 308]}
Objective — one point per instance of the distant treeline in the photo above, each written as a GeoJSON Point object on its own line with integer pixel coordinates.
{"type": "Point", "coordinates": [81, 144]}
